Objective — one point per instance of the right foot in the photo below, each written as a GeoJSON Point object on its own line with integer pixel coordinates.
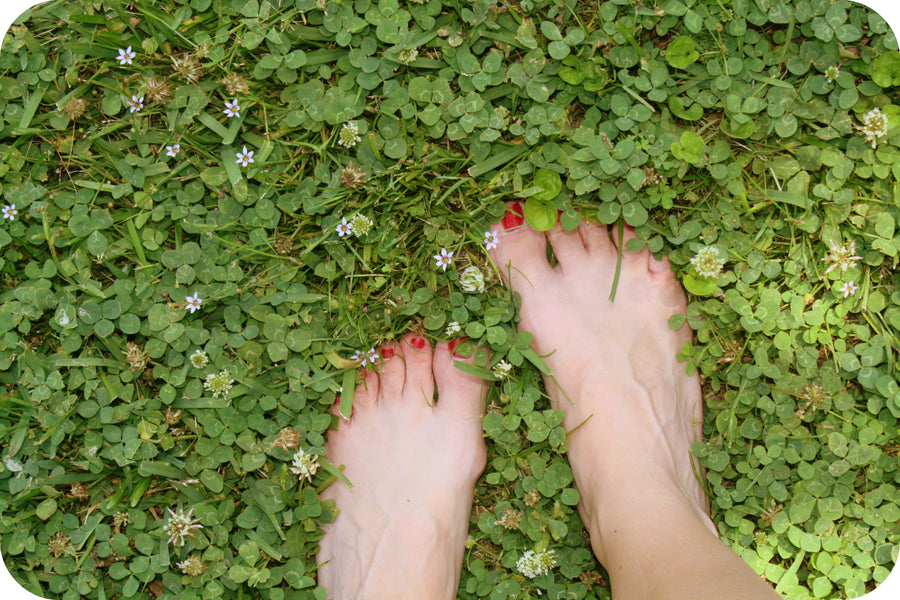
{"type": "Point", "coordinates": [615, 374]}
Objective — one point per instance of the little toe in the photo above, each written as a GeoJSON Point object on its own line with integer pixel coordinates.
{"type": "Point", "coordinates": [460, 394]}
{"type": "Point", "coordinates": [567, 245]}
{"type": "Point", "coordinates": [633, 257]}
{"type": "Point", "coordinates": [418, 386]}
{"type": "Point", "coordinates": [365, 396]}
{"type": "Point", "coordinates": [659, 266]}
{"type": "Point", "coordinates": [521, 253]}
{"type": "Point", "coordinates": [393, 373]}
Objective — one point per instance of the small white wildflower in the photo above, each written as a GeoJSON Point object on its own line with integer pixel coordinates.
{"type": "Point", "coordinates": [707, 262]}
{"type": "Point", "coordinates": [502, 369]}
{"type": "Point", "coordinates": [491, 239]}
{"type": "Point", "coordinates": [218, 383]}
{"type": "Point", "coordinates": [875, 125]}
{"type": "Point", "coordinates": [832, 72]}
{"type": "Point", "coordinates": [407, 56]}
{"type": "Point", "coordinates": [232, 109]}
{"type": "Point", "coordinates": [371, 356]}
{"type": "Point", "coordinates": [180, 525]}
{"type": "Point", "coordinates": [349, 135]}
{"type": "Point", "coordinates": [199, 358]}
{"type": "Point", "coordinates": [472, 279]}
{"type": "Point", "coordinates": [361, 225]}
{"type": "Point", "coordinates": [125, 56]}
{"type": "Point", "coordinates": [343, 228]}
{"type": "Point", "coordinates": [841, 255]}
{"type": "Point", "coordinates": [10, 212]}
{"type": "Point", "coordinates": [173, 150]}
{"type": "Point", "coordinates": [136, 103]}
{"type": "Point", "coordinates": [453, 328]}
{"type": "Point", "coordinates": [849, 289]}
{"type": "Point", "coordinates": [534, 563]}
{"type": "Point", "coordinates": [13, 465]}
{"type": "Point", "coordinates": [193, 303]}
{"type": "Point", "coordinates": [444, 259]}
{"type": "Point", "coordinates": [360, 357]}
{"type": "Point", "coordinates": [305, 464]}
{"type": "Point", "coordinates": [244, 157]}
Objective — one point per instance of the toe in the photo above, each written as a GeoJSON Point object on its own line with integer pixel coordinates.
{"type": "Point", "coordinates": [521, 254]}
{"type": "Point", "coordinates": [659, 266]}
{"type": "Point", "coordinates": [567, 245]}
{"type": "Point", "coordinates": [366, 394]}
{"type": "Point", "coordinates": [633, 257]}
{"type": "Point", "coordinates": [418, 387]}
{"type": "Point", "coordinates": [393, 373]}
{"type": "Point", "coordinates": [460, 394]}
{"type": "Point", "coordinates": [595, 237]}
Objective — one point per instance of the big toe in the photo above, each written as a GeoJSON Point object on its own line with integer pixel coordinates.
{"type": "Point", "coordinates": [521, 252]}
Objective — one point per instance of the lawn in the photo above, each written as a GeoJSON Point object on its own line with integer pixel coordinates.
{"type": "Point", "coordinates": [211, 207]}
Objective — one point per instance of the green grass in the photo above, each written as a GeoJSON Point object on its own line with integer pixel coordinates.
{"type": "Point", "coordinates": [700, 124]}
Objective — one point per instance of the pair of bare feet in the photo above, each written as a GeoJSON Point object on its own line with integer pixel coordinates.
{"type": "Point", "coordinates": [401, 529]}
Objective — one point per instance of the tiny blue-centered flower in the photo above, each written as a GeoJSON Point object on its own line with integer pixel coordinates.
{"type": "Point", "coordinates": [193, 302]}
{"type": "Point", "coordinates": [849, 289]}
{"type": "Point", "coordinates": [244, 157]}
{"type": "Point", "coordinates": [125, 56]}
{"type": "Point", "coordinates": [136, 103]}
{"type": "Point", "coordinates": [444, 259]}
{"type": "Point", "coordinates": [232, 109]}
{"type": "Point", "coordinates": [491, 239]}
{"type": "Point", "coordinates": [10, 212]}
{"type": "Point", "coordinates": [173, 150]}
{"type": "Point", "coordinates": [343, 228]}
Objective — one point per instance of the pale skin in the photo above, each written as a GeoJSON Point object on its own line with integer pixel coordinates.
{"type": "Point", "coordinates": [632, 411]}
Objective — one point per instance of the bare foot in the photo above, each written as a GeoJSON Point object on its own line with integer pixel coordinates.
{"type": "Point", "coordinates": [401, 529]}
{"type": "Point", "coordinates": [614, 366]}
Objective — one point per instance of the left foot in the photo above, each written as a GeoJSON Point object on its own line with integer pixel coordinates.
{"type": "Point", "coordinates": [401, 529]}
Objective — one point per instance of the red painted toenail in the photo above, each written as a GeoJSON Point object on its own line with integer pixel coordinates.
{"type": "Point", "coordinates": [417, 343]}
{"type": "Point", "coordinates": [387, 352]}
{"type": "Point", "coordinates": [559, 217]}
{"type": "Point", "coordinates": [514, 217]}
{"type": "Point", "coordinates": [454, 343]}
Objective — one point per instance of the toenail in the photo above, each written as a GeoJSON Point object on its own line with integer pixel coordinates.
{"type": "Point", "coordinates": [454, 343]}
{"type": "Point", "coordinates": [417, 343]}
{"type": "Point", "coordinates": [514, 217]}
{"type": "Point", "coordinates": [387, 352]}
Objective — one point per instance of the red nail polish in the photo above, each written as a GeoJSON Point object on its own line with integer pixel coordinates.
{"type": "Point", "coordinates": [514, 217]}
{"type": "Point", "coordinates": [559, 217]}
{"type": "Point", "coordinates": [454, 343]}
{"type": "Point", "coordinates": [417, 343]}
{"type": "Point", "coordinates": [387, 352]}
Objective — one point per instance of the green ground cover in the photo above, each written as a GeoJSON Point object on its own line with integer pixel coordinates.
{"type": "Point", "coordinates": [174, 325]}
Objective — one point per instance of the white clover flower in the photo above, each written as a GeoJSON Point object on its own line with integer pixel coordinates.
{"type": "Point", "coordinates": [343, 228]}
{"type": "Point", "coordinates": [407, 56]}
{"type": "Point", "coordinates": [534, 563]}
{"type": "Point", "coordinates": [849, 289]}
{"type": "Point", "coordinates": [173, 150]}
{"type": "Point", "coordinates": [832, 72]}
{"type": "Point", "coordinates": [360, 357]}
{"type": "Point", "coordinates": [349, 135]}
{"type": "Point", "coordinates": [199, 358]}
{"type": "Point", "coordinates": [875, 125]}
{"type": "Point", "coordinates": [13, 465]}
{"type": "Point", "coordinates": [305, 464]}
{"type": "Point", "coordinates": [361, 225]}
{"type": "Point", "coordinates": [244, 157]}
{"type": "Point", "coordinates": [841, 255]}
{"type": "Point", "coordinates": [491, 239]}
{"type": "Point", "coordinates": [180, 525]}
{"type": "Point", "coordinates": [125, 56]}
{"type": "Point", "coordinates": [371, 356]}
{"type": "Point", "coordinates": [10, 212]}
{"type": "Point", "coordinates": [232, 109]}
{"type": "Point", "coordinates": [218, 383]}
{"type": "Point", "coordinates": [444, 259]}
{"type": "Point", "coordinates": [193, 303]}
{"type": "Point", "coordinates": [472, 279]}
{"type": "Point", "coordinates": [136, 103]}
{"type": "Point", "coordinates": [707, 262]}
{"type": "Point", "coordinates": [502, 369]}
{"type": "Point", "coordinates": [453, 328]}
